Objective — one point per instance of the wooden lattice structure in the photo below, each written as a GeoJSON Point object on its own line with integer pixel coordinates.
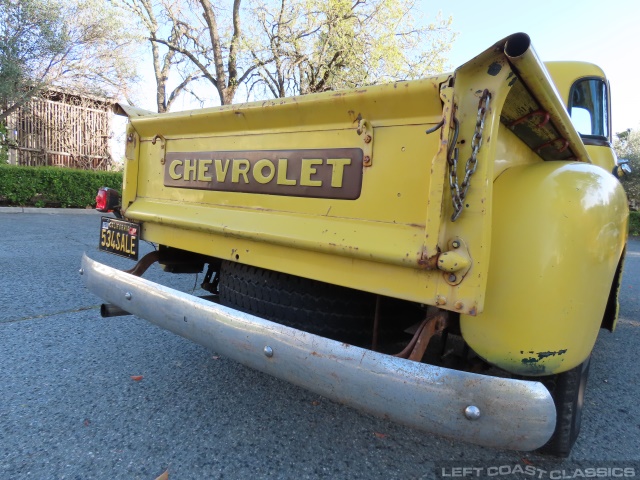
{"type": "Point", "coordinates": [60, 128]}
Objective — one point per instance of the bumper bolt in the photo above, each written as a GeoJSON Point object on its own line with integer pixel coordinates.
{"type": "Point", "coordinates": [472, 412]}
{"type": "Point", "coordinates": [81, 271]}
{"type": "Point", "coordinates": [455, 244]}
{"type": "Point", "coordinates": [268, 351]}
{"type": "Point", "coordinates": [127, 295]}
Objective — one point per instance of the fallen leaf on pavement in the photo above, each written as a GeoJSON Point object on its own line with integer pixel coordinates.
{"type": "Point", "coordinates": [315, 403]}
{"type": "Point", "coordinates": [164, 476]}
{"type": "Point", "coordinates": [137, 378]}
{"type": "Point", "coordinates": [380, 435]}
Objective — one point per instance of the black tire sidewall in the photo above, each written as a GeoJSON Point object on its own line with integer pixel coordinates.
{"type": "Point", "coordinates": [568, 390]}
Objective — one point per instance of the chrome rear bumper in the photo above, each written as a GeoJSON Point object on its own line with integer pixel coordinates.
{"type": "Point", "coordinates": [513, 414]}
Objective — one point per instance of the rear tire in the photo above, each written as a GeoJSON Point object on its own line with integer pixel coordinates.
{"type": "Point", "coordinates": [567, 390]}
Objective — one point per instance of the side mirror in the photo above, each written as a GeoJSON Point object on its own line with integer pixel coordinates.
{"type": "Point", "coordinates": [624, 165]}
{"type": "Point", "coordinates": [622, 168]}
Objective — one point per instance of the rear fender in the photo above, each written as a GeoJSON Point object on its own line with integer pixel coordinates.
{"type": "Point", "coordinates": [559, 230]}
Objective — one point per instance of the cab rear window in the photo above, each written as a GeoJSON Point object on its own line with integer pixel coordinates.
{"type": "Point", "coordinates": [589, 108]}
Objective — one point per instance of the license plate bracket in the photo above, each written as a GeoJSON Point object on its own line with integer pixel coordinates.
{"type": "Point", "coordinates": [119, 237]}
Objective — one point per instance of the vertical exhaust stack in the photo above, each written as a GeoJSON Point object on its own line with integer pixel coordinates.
{"type": "Point", "coordinates": [532, 72]}
{"type": "Point", "coordinates": [517, 45]}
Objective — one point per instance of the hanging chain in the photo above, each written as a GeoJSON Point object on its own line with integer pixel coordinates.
{"type": "Point", "coordinates": [459, 191]}
{"type": "Point", "coordinates": [452, 160]}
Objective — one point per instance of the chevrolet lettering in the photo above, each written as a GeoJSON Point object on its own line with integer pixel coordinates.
{"type": "Point", "coordinates": [330, 173]}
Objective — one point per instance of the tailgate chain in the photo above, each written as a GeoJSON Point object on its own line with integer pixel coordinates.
{"type": "Point", "coordinates": [459, 191]}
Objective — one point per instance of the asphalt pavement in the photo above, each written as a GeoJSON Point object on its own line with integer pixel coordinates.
{"type": "Point", "coordinates": [70, 409]}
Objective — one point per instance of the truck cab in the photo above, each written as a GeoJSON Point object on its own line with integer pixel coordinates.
{"type": "Point", "coordinates": [585, 92]}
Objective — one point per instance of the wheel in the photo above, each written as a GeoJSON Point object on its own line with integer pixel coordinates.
{"type": "Point", "coordinates": [309, 305]}
{"type": "Point", "coordinates": [567, 390]}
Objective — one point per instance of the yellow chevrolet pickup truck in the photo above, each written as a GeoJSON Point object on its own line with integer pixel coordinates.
{"type": "Point", "coordinates": [440, 252]}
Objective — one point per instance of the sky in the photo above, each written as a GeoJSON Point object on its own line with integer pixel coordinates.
{"type": "Point", "coordinates": [606, 33]}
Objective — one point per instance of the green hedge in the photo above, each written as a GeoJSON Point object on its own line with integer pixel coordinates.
{"type": "Point", "coordinates": [634, 223]}
{"type": "Point", "coordinates": [53, 186]}
{"type": "Point", "coordinates": [68, 188]}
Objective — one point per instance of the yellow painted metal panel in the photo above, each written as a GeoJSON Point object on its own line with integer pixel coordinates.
{"type": "Point", "coordinates": [389, 104]}
{"type": "Point", "coordinates": [131, 170]}
{"type": "Point", "coordinates": [387, 239]}
{"type": "Point", "coordinates": [558, 233]}
{"type": "Point", "coordinates": [375, 241]}
{"type": "Point", "coordinates": [397, 219]}
{"type": "Point", "coordinates": [386, 196]}
{"type": "Point", "coordinates": [382, 278]}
